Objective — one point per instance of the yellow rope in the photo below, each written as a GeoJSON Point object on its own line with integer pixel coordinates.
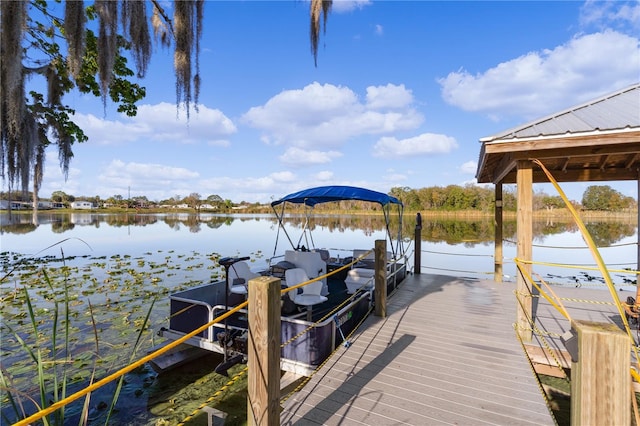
{"type": "Point", "coordinates": [564, 265]}
{"type": "Point", "coordinates": [542, 339]}
{"type": "Point", "coordinates": [334, 310]}
{"type": "Point", "coordinates": [306, 379]}
{"type": "Point", "coordinates": [596, 255]}
{"type": "Point", "coordinates": [558, 306]}
{"type": "Point", "coordinates": [57, 405]}
{"type": "Point", "coordinates": [535, 375]}
{"type": "Point", "coordinates": [573, 247]}
{"type": "Point", "coordinates": [214, 396]}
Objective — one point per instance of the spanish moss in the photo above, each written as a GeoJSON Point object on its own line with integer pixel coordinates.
{"type": "Point", "coordinates": [13, 16]}
{"type": "Point", "coordinates": [162, 26]}
{"type": "Point", "coordinates": [318, 7]}
{"type": "Point", "coordinates": [107, 43]}
{"type": "Point", "coordinates": [74, 30]}
{"type": "Point", "coordinates": [29, 126]}
{"type": "Point", "coordinates": [183, 25]}
{"type": "Point", "coordinates": [134, 20]}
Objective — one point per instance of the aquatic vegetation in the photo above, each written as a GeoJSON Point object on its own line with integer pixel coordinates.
{"type": "Point", "coordinates": [83, 301]}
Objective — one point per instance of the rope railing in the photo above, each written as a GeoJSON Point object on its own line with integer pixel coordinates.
{"type": "Point", "coordinates": [127, 369]}
{"type": "Point", "coordinates": [577, 266]}
{"type": "Point", "coordinates": [215, 396]}
{"type": "Point", "coordinates": [546, 292]}
{"type": "Point", "coordinates": [583, 267]}
{"type": "Point", "coordinates": [71, 398]}
{"type": "Point", "coordinates": [574, 247]}
{"type": "Point", "coordinates": [457, 254]}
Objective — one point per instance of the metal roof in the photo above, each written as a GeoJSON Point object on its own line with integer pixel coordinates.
{"type": "Point", "coordinates": [616, 111]}
{"type": "Point", "coordinates": [596, 141]}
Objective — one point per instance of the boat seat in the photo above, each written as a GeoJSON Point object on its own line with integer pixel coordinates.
{"type": "Point", "coordinates": [324, 254]}
{"type": "Point", "coordinates": [359, 278]}
{"type": "Point", "coordinates": [311, 262]}
{"type": "Point", "coordinates": [239, 276]}
{"type": "Point", "coordinates": [310, 295]}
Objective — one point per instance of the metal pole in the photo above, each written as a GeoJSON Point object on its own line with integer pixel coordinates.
{"type": "Point", "coordinates": [417, 241]}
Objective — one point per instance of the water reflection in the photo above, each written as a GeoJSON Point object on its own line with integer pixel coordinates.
{"type": "Point", "coordinates": [469, 231]}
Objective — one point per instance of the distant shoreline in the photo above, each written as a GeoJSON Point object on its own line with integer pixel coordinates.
{"type": "Point", "coordinates": [555, 213]}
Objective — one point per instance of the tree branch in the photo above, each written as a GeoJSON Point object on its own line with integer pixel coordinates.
{"type": "Point", "coordinates": [164, 15]}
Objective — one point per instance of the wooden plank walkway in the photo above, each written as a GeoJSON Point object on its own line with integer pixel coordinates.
{"type": "Point", "coordinates": [446, 353]}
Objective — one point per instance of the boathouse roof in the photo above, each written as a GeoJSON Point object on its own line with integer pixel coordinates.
{"type": "Point", "coordinates": [595, 141]}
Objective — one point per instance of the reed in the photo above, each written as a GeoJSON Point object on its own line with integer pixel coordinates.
{"type": "Point", "coordinates": [48, 346]}
{"type": "Point", "coordinates": [52, 386]}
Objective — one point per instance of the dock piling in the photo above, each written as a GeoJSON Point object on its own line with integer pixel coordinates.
{"type": "Point", "coordinates": [263, 398]}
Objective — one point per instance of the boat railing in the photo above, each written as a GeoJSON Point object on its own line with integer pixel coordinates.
{"type": "Point", "coordinates": [171, 345]}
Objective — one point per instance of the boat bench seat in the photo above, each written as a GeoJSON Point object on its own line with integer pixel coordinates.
{"type": "Point", "coordinates": [359, 277]}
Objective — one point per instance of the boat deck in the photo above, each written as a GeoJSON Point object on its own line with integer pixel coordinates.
{"type": "Point", "coordinates": [446, 353]}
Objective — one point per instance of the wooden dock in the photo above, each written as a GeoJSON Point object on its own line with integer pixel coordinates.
{"type": "Point", "coordinates": [446, 353]}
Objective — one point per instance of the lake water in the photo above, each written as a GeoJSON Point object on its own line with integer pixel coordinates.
{"type": "Point", "coordinates": [116, 269]}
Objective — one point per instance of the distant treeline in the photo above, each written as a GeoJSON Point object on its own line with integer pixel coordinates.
{"type": "Point", "coordinates": [451, 198]}
{"type": "Point", "coordinates": [476, 198]}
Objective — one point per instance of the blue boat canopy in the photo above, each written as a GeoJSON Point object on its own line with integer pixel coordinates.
{"type": "Point", "coordinates": [326, 194]}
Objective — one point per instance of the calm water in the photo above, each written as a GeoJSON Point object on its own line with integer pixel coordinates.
{"type": "Point", "coordinates": [118, 268]}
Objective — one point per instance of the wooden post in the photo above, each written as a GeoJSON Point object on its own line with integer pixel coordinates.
{"type": "Point", "coordinates": [497, 244]}
{"type": "Point", "coordinates": [263, 352]}
{"type": "Point", "coordinates": [380, 292]}
{"type": "Point", "coordinates": [638, 236]}
{"type": "Point", "coordinates": [524, 228]}
{"type": "Point", "coordinates": [600, 379]}
{"type": "Point", "coordinates": [417, 242]}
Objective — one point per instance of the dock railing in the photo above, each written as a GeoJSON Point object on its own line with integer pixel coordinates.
{"type": "Point", "coordinates": [602, 371]}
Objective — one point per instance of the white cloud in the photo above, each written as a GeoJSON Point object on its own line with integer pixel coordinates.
{"type": "Point", "coordinates": [325, 116]}
{"type": "Point", "coordinates": [390, 96]}
{"type": "Point", "coordinates": [302, 157]}
{"type": "Point", "coordinates": [343, 6]}
{"type": "Point", "coordinates": [159, 123]}
{"type": "Point", "coordinates": [379, 29]}
{"type": "Point", "coordinates": [396, 177]}
{"type": "Point", "coordinates": [470, 167]}
{"type": "Point", "coordinates": [617, 14]}
{"type": "Point", "coordinates": [285, 176]}
{"type": "Point", "coordinates": [54, 179]}
{"type": "Point", "coordinates": [324, 176]}
{"type": "Point", "coordinates": [539, 83]}
{"type": "Point", "coordinates": [251, 188]}
{"type": "Point", "coordinates": [145, 178]}
{"type": "Point", "coordinates": [424, 144]}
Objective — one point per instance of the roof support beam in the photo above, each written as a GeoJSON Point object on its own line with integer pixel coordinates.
{"type": "Point", "coordinates": [507, 165]}
{"type": "Point", "coordinates": [603, 162]}
{"type": "Point", "coordinates": [578, 175]}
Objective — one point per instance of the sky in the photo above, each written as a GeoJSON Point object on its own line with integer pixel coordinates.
{"type": "Point", "coordinates": [401, 95]}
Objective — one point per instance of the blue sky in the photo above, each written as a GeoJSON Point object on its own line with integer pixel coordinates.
{"type": "Point", "coordinates": [401, 95]}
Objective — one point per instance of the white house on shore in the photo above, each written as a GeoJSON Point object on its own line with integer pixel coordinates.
{"type": "Point", "coordinates": [82, 205]}
{"type": "Point", "coordinates": [15, 205]}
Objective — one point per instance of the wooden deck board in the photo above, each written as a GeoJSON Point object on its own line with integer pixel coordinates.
{"type": "Point", "coordinates": [446, 353]}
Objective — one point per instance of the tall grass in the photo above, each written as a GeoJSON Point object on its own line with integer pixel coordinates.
{"type": "Point", "coordinates": [48, 346]}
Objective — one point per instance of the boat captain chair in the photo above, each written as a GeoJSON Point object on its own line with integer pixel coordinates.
{"type": "Point", "coordinates": [310, 293]}
{"type": "Point", "coordinates": [239, 276]}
